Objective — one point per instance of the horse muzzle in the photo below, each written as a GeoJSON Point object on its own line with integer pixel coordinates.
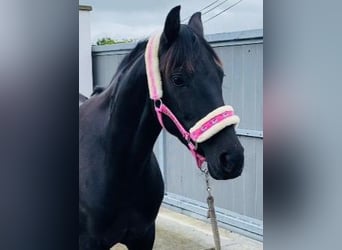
{"type": "Point", "coordinates": [227, 166]}
{"type": "Point", "coordinates": [224, 155]}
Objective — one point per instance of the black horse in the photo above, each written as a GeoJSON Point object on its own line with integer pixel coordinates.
{"type": "Point", "coordinates": [120, 183]}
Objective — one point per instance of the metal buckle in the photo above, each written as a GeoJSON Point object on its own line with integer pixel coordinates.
{"type": "Point", "coordinates": [190, 141]}
{"type": "Point", "coordinates": [204, 168]}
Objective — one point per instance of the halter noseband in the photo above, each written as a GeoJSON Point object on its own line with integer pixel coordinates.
{"type": "Point", "coordinates": [205, 128]}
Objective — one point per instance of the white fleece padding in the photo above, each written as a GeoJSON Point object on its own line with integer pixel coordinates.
{"type": "Point", "coordinates": [218, 127]}
{"type": "Point", "coordinates": [152, 67]}
{"type": "Point", "coordinates": [210, 116]}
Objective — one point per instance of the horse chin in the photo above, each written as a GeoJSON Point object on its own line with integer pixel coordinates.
{"type": "Point", "coordinates": [220, 173]}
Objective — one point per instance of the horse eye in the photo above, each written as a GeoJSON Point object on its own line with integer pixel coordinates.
{"type": "Point", "coordinates": [177, 80]}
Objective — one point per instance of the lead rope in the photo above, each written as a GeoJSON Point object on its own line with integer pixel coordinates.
{"type": "Point", "coordinates": [211, 210]}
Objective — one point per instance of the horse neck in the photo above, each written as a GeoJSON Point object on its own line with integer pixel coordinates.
{"type": "Point", "coordinates": [133, 126]}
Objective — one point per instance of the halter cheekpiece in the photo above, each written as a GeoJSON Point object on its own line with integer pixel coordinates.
{"type": "Point", "coordinates": [205, 128]}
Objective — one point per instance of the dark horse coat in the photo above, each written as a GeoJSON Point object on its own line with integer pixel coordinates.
{"type": "Point", "coordinates": [120, 184]}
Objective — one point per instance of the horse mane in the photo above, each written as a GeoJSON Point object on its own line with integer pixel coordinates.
{"type": "Point", "coordinates": [124, 65]}
{"type": "Point", "coordinates": [132, 56]}
{"type": "Point", "coordinates": [128, 60]}
{"type": "Point", "coordinates": [98, 90]}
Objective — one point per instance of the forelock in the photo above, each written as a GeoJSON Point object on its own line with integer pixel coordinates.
{"type": "Point", "coordinates": [184, 53]}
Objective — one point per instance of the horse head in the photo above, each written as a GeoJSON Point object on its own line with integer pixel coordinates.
{"type": "Point", "coordinates": [192, 76]}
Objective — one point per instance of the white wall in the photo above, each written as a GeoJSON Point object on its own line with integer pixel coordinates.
{"type": "Point", "coordinates": [85, 64]}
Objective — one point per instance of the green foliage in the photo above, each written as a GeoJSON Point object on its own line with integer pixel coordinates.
{"type": "Point", "coordinates": [109, 41]}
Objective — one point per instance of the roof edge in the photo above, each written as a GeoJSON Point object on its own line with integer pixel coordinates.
{"type": "Point", "coordinates": [236, 35]}
{"type": "Point", "coordinates": [85, 7]}
{"type": "Point", "coordinates": [212, 38]}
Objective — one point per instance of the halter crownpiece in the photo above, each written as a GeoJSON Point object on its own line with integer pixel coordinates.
{"type": "Point", "coordinates": [205, 128]}
{"type": "Point", "coordinates": [152, 67]}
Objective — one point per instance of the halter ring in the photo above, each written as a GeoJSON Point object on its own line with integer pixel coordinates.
{"type": "Point", "coordinates": [157, 103]}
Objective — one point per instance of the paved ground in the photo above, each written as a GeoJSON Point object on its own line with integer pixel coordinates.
{"type": "Point", "coordinates": [179, 232]}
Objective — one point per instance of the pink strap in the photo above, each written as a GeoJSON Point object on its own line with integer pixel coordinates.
{"type": "Point", "coordinates": [152, 67]}
{"type": "Point", "coordinates": [163, 109]}
{"type": "Point", "coordinates": [199, 158]}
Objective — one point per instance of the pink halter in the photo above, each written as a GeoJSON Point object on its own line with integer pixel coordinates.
{"type": "Point", "coordinates": [205, 128]}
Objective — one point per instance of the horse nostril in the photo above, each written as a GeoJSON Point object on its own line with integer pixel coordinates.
{"type": "Point", "coordinates": [225, 159]}
{"type": "Point", "coordinates": [232, 161]}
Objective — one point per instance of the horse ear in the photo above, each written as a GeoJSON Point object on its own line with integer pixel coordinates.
{"type": "Point", "coordinates": [195, 23]}
{"type": "Point", "coordinates": [172, 24]}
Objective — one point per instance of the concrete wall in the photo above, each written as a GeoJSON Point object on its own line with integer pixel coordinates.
{"type": "Point", "coordinates": [239, 202]}
{"type": "Point", "coordinates": [85, 61]}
